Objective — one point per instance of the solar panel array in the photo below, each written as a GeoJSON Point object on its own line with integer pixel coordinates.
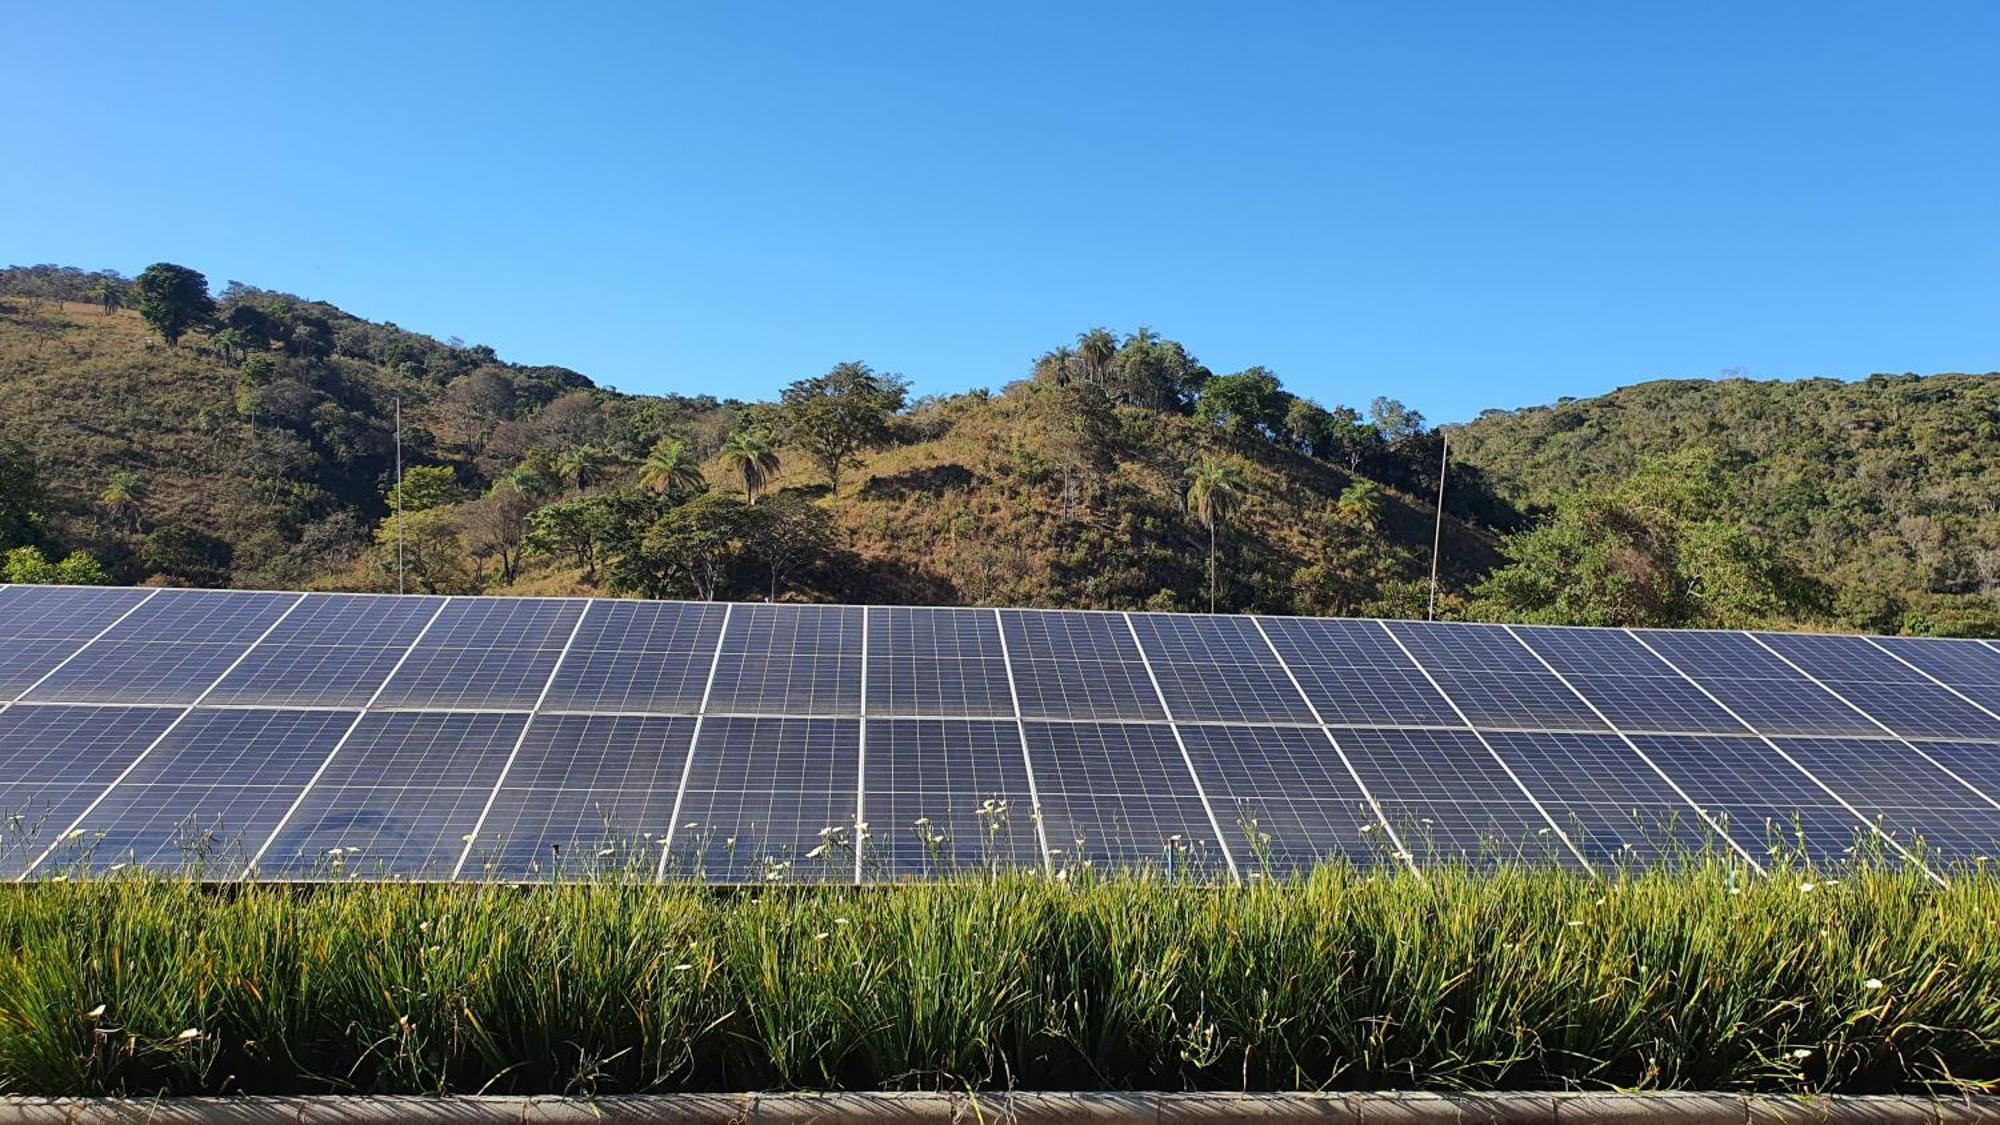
{"type": "Point", "coordinates": [239, 734]}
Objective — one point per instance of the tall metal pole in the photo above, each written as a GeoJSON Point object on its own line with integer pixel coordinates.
{"type": "Point", "coordinates": [399, 494]}
{"type": "Point", "coordinates": [1437, 530]}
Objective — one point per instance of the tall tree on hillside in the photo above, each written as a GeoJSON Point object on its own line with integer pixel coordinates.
{"type": "Point", "coordinates": [122, 496]}
{"type": "Point", "coordinates": [671, 470]}
{"type": "Point", "coordinates": [1215, 486]}
{"type": "Point", "coordinates": [581, 465]}
{"type": "Point", "coordinates": [749, 454]}
{"type": "Point", "coordinates": [837, 415]}
{"type": "Point", "coordinates": [173, 299]}
{"type": "Point", "coordinates": [1095, 350]}
{"type": "Point", "coordinates": [1057, 366]}
{"type": "Point", "coordinates": [110, 297]}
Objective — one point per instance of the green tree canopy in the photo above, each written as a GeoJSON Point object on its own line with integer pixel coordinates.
{"type": "Point", "coordinates": [835, 416]}
{"type": "Point", "coordinates": [750, 455]}
{"type": "Point", "coordinates": [173, 299]}
{"type": "Point", "coordinates": [427, 486]}
{"type": "Point", "coordinates": [27, 566]}
{"type": "Point", "coordinates": [671, 470]}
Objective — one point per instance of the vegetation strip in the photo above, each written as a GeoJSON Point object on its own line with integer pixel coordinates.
{"type": "Point", "coordinates": [1023, 1108]}
{"type": "Point", "coordinates": [1703, 978]}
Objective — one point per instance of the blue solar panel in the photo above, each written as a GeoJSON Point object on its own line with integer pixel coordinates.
{"type": "Point", "coordinates": [1449, 800]}
{"type": "Point", "coordinates": [588, 796]}
{"type": "Point", "coordinates": [769, 800]}
{"type": "Point", "coordinates": [1356, 675]}
{"type": "Point", "coordinates": [1902, 697]}
{"type": "Point", "coordinates": [790, 660]}
{"type": "Point", "coordinates": [1916, 803]}
{"type": "Point", "coordinates": [335, 650]}
{"type": "Point", "coordinates": [23, 662]}
{"type": "Point", "coordinates": [397, 801]}
{"type": "Point", "coordinates": [485, 653]}
{"type": "Point", "coordinates": [1218, 668]}
{"type": "Point", "coordinates": [1284, 798]}
{"type": "Point", "coordinates": [947, 795]}
{"type": "Point", "coordinates": [936, 662]}
{"type": "Point", "coordinates": [639, 656]}
{"type": "Point", "coordinates": [1614, 807]}
{"type": "Point", "coordinates": [1635, 689]}
{"type": "Point", "coordinates": [209, 795]}
{"type": "Point", "coordinates": [62, 612]}
{"type": "Point", "coordinates": [1976, 763]}
{"type": "Point", "coordinates": [1755, 684]}
{"type": "Point", "coordinates": [1493, 679]}
{"type": "Point", "coordinates": [54, 761]}
{"type": "Point", "coordinates": [169, 650]}
{"type": "Point", "coordinates": [1767, 804]}
{"type": "Point", "coordinates": [1117, 795]}
{"type": "Point", "coordinates": [1074, 665]}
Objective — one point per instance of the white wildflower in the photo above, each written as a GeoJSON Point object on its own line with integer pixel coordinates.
{"type": "Point", "coordinates": [1872, 983]}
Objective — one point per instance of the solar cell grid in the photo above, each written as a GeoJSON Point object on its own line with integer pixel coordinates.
{"type": "Point", "coordinates": [1355, 675]}
{"type": "Point", "coordinates": [398, 799]}
{"type": "Point", "coordinates": [1760, 688]}
{"type": "Point", "coordinates": [148, 656]}
{"type": "Point", "coordinates": [223, 617]}
{"type": "Point", "coordinates": [1916, 803]}
{"type": "Point", "coordinates": [1767, 804]}
{"type": "Point", "coordinates": [208, 795]}
{"type": "Point", "coordinates": [62, 612]}
{"type": "Point", "coordinates": [335, 650]}
{"type": "Point", "coordinates": [936, 662]}
{"type": "Point", "coordinates": [1449, 800]}
{"type": "Point", "coordinates": [1517, 699]}
{"type": "Point", "coordinates": [54, 761]}
{"type": "Point", "coordinates": [484, 653]}
{"type": "Point", "coordinates": [23, 662]}
{"type": "Point", "coordinates": [1118, 795]}
{"type": "Point", "coordinates": [762, 795]}
{"type": "Point", "coordinates": [587, 796]}
{"type": "Point", "coordinates": [1959, 663]}
{"type": "Point", "coordinates": [1074, 665]}
{"type": "Point", "coordinates": [790, 660]}
{"type": "Point", "coordinates": [1286, 796]}
{"type": "Point", "coordinates": [946, 795]}
{"type": "Point", "coordinates": [1590, 652]}
{"type": "Point", "coordinates": [1445, 646]}
{"type": "Point", "coordinates": [1614, 807]}
{"type": "Point", "coordinates": [639, 656]}
{"type": "Point", "coordinates": [1217, 668]}
{"type": "Point", "coordinates": [1900, 696]}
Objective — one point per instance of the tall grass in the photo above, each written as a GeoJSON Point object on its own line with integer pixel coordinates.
{"type": "Point", "coordinates": [1518, 978]}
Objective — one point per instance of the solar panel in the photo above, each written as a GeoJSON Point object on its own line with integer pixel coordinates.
{"type": "Point", "coordinates": [936, 663]}
{"type": "Point", "coordinates": [1218, 668]}
{"type": "Point", "coordinates": [790, 660]}
{"type": "Point", "coordinates": [946, 795]}
{"type": "Point", "coordinates": [587, 796]}
{"type": "Point", "coordinates": [769, 800]}
{"type": "Point", "coordinates": [484, 653]}
{"type": "Point", "coordinates": [397, 801]}
{"type": "Point", "coordinates": [1356, 675]}
{"type": "Point", "coordinates": [169, 650]}
{"type": "Point", "coordinates": [204, 800]}
{"type": "Point", "coordinates": [54, 761]}
{"type": "Point", "coordinates": [333, 651]}
{"type": "Point", "coordinates": [639, 656]}
{"type": "Point", "coordinates": [1448, 799]}
{"type": "Point", "coordinates": [1284, 798]}
{"type": "Point", "coordinates": [1073, 665]}
{"type": "Point", "coordinates": [342, 736]}
{"type": "Point", "coordinates": [1119, 795]}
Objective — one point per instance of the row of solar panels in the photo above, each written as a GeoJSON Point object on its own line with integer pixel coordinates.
{"type": "Point", "coordinates": [293, 736]}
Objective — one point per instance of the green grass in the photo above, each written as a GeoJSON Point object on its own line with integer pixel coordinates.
{"type": "Point", "coordinates": [1514, 979]}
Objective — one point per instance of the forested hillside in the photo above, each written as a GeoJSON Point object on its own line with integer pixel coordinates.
{"type": "Point", "coordinates": [157, 431]}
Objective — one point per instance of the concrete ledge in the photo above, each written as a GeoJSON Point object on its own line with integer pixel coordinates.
{"type": "Point", "coordinates": [1010, 1108]}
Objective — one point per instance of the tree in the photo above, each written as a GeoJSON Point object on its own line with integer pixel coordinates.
{"type": "Point", "coordinates": [23, 499]}
{"type": "Point", "coordinates": [123, 497]}
{"type": "Point", "coordinates": [1215, 485]}
{"type": "Point", "coordinates": [581, 465]}
{"type": "Point", "coordinates": [1309, 427]}
{"type": "Point", "coordinates": [185, 555]}
{"type": "Point", "coordinates": [1243, 403]}
{"type": "Point", "coordinates": [173, 299]}
{"type": "Point", "coordinates": [750, 455]}
{"type": "Point", "coordinates": [671, 470]}
{"type": "Point", "coordinates": [496, 527]}
{"type": "Point", "coordinates": [689, 550]}
{"type": "Point", "coordinates": [836, 416]}
{"type": "Point", "coordinates": [425, 487]}
{"type": "Point", "coordinates": [581, 529]}
{"type": "Point", "coordinates": [110, 296]}
{"type": "Point", "coordinates": [1359, 505]}
{"type": "Point", "coordinates": [434, 558]}
{"type": "Point", "coordinates": [785, 535]}
{"type": "Point", "coordinates": [26, 566]}
{"type": "Point", "coordinates": [1395, 421]}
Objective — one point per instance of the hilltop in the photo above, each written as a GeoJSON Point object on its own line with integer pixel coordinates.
{"type": "Point", "coordinates": [259, 451]}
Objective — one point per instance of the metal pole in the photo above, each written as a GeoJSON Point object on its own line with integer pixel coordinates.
{"type": "Point", "coordinates": [399, 494]}
{"type": "Point", "coordinates": [1437, 530]}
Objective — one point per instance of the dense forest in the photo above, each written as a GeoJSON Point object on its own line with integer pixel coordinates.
{"type": "Point", "coordinates": [160, 431]}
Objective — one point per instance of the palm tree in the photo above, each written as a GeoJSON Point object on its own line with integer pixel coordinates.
{"type": "Point", "coordinates": [1359, 503]}
{"type": "Point", "coordinates": [123, 496]}
{"type": "Point", "coordinates": [1214, 487]}
{"type": "Point", "coordinates": [581, 464]}
{"type": "Point", "coordinates": [1056, 366]}
{"type": "Point", "coordinates": [671, 470]}
{"type": "Point", "coordinates": [1096, 349]}
{"type": "Point", "coordinates": [750, 455]}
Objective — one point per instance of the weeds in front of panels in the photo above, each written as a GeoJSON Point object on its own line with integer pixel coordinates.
{"type": "Point", "coordinates": [1691, 977]}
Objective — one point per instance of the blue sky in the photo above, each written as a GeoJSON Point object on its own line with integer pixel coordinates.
{"type": "Point", "coordinates": [1462, 205]}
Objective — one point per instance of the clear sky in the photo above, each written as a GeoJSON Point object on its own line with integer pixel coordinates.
{"type": "Point", "coordinates": [1462, 205]}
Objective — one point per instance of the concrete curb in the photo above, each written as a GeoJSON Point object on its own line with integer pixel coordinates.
{"type": "Point", "coordinates": [1018, 1109]}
